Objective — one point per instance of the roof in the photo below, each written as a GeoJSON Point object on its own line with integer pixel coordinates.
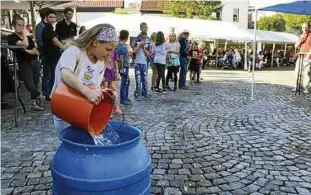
{"type": "Point", "coordinates": [293, 7]}
{"type": "Point", "coordinates": [150, 6]}
{"type": "Point", "coordinates": [199, 29]}
{"type": "Point", "coordinates": [90, 3]}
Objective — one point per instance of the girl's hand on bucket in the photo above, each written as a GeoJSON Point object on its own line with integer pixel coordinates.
{"type": "Point", "coordinates": [95, 96]}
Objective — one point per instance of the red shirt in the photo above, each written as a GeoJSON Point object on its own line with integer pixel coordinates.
{"type": "Point", "coordinates": [306, 44]}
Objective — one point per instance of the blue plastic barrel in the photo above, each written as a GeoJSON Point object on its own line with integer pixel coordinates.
{"type": "Point", "coordinates": [81, 168]}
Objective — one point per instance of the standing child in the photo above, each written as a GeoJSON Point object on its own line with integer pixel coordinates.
{"type": "Point", "coordinates": [111, 76]}
{"type": "Point", "coordinates": [194, 66]}
{"type": "Point", "coordinates": [159, 51]}
{"type": "Point", "coordinates": [123, 54]}
{"type": "Point", "coordinates": [141, 70]}
{"type": "Point", "coordinates": [202, 48]}
{"type": "Point", "coordinates": [173, 62]}
{"type": "Point", "coordinates": [153, 67]}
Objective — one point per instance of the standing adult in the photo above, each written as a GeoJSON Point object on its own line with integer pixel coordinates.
{"type": "Point", "coordinates": [51, 48]}
{"type": "Point", "coordinates": [304, 45]}
{"type": "Point", "coordinates": [183, 41]}
{"type": "Point", "coordinates": [27, 61]}
{"type": "Point", "coordinates": [46, 73]}
{"type": "Point", "coordinates": [66, 29]}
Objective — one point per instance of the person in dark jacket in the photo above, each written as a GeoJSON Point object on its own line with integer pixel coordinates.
{"type": "Point", "coordinates": [183, 41]}
{"type": "Point", "coordinates": [66, 29]}
{"type": "Point", "coordinates": [46, 74]}
{"type": "Point", "coordinates": [51, 48]}
{"type": "Point", "coordinates": [27, 62]}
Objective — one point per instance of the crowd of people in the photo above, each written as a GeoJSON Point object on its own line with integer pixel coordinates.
{"type": "Point", "coordinates": [174, 53]}
{"type": "Point", "coordinates": [101, 57]}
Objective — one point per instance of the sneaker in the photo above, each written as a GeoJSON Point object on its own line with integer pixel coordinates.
{"type": "Point", "coordinates": [36, 106]}
{"type": "Point", "coordinates": [306, 91]}
{"type": "Point", "coordinates": [117, 110]}
{"type": "Point", "coordinates": [175, 88]}
{"type": "Point", "coordinates": [139, 98]}
{"type": "Point", "coordinates": [40, 101]}
{"type": "Point", "coordinates": [158, 91]}
{"type": "Point", "coordinates": [164, 91]}
{"type": "Point", "coordinates": [153, 88]}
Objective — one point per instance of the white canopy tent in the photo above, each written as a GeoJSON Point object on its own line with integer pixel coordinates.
{"type": "Point", "coordinates": [293, 7]}
{"type": "Point", "coordinates": [203, 29]}
{"type": "Point", "coordinates": [199, 29]}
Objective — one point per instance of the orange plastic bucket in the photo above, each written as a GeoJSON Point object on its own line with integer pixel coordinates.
{"type": "Point", "coordinates": [74, 108]}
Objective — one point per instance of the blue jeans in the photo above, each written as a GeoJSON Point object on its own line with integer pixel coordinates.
{"type": "Point", "coordinates": [125, 84]}
{"type": "Point", "coordinates": [183, 71]}
{"type": "Point", "coordinates": [141, 77]}
{"type": "Point", "coordinates": [46, 91]}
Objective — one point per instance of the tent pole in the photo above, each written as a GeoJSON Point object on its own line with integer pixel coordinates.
{"type": "Point", "coordinates": [226, 45]}
{"type": "Point", "coordinates": [245, 56]}
{"type": "Point", "coordinates": [273, 48]}
{"type": "Point", "coordinates": [254, 53]}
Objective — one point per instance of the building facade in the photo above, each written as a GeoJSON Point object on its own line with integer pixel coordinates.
{"type": "Point", "coordinates": [235, 12]}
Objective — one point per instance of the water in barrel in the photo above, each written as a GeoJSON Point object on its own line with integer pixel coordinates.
{"type": "Point", "coordinates": [109, 137]}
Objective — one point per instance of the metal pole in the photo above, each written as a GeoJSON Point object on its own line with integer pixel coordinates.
{"type": "Point", "coordinates": [254, 53]}
{"type": "Point", "coordinates": [285, 49]}
{"type": "Point", "coordinates": [245, 56]}
{"type": "Point", "coordinates": [15, 88]}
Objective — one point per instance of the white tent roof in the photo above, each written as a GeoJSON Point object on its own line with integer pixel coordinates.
{"type": "Point", "coordinates": [272, 37]}
{"type": "Point", "coordinates": [202, 29]}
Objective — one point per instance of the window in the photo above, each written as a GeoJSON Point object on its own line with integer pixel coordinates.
{"type": "Point", "coordinates": [235, 15]}
{"type": "Point", "coordinates": [218, 15]}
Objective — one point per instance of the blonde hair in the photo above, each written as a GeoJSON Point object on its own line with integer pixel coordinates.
{"type": "Point", "coordinates": [202, 45]}
{"type": "Point", "coordinates": [153, 37]}
{"type": "Point", "coordinates": [84, 40]}
{"type": "Point", "coordinates": [168, 40]}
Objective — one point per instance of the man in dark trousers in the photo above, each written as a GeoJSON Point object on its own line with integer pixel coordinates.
{"type": "Point", "coordinates": [46, 74]}
{"type": "Point", "coordinates": [27, 62]}
{"type": "Point", "coordinates": [66, 29]}
{"type": "Point", "coordinates": [51, 47]}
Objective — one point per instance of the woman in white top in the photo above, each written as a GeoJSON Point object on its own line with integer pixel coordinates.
{"type": "Point", "coordinates": [82, 65]}
{"type": "Point", "coordinates": [236, 58]}
{"type": "Point", "coordinates": [159, 51]}
{"type": "Point", "coordinates": [173, 62]}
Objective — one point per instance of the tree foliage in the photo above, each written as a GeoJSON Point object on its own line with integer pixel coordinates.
{"type": "Point", "coordinates": [294, 21]}
{"type": "Point", "coordinates": [191, 9]}
{"type": "Point", "coordinates": [283, 22]}
{"type": "Point", "coordinates": [272, 23]}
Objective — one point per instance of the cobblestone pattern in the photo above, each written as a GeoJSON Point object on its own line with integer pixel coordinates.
{"type": "Point", "coordinates": [211, 139]}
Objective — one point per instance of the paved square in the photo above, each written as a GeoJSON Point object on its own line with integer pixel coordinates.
{"type": "Point", "coordinates": [211, 139]}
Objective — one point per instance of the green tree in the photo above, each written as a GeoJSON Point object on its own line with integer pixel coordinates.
{"type": "Point", "coordinates": [190, 9]}
{"type": "Point", "coordinates": [272, 23]}
{"type": "Point", "coordinates": [294, 21]}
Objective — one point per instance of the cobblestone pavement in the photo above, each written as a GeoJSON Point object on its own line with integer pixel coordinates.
{"type": "Point", "coordinates": [211, 139]}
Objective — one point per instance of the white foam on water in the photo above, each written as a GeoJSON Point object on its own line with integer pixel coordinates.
{"type": "Point", "coordinates": [109, 137]}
